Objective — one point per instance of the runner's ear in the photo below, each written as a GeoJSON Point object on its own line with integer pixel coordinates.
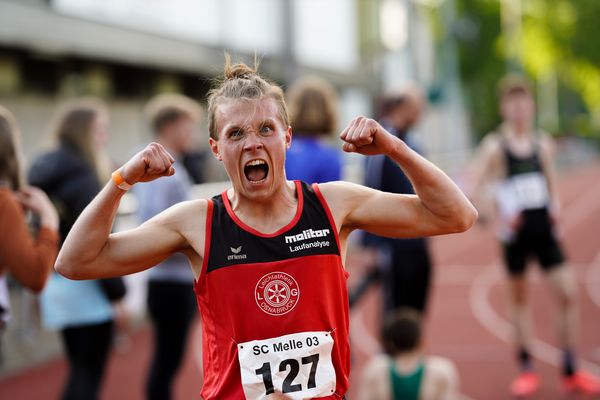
{"type": "Point", "coordinates": [214, 147]}
{"type": "Point", "coordinates": [288, 138]}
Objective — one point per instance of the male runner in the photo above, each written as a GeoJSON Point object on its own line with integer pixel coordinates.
{"type": "Point", "coordinates": [267, 255]}
{"type": "Point", "coordinates": [521, 158]}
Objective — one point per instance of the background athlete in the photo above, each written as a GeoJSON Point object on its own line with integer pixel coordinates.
{"type": "Point", "coordinates": [236, 242]}
{"type": "Point", "coordinates": [521, 157]}
{"type": "Point", "coordinates": [406, 372]}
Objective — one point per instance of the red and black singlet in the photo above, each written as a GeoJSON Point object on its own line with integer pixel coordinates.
{"type": "Point", "coordinates": [274, 306]}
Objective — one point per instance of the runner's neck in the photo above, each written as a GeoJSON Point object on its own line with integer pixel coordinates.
{"type": "Point", "coordinates": [270, 215]}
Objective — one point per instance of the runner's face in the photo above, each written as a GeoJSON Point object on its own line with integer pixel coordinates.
{"type": "Point", "coordinates": [518, 108]}
{"type": "Point", "coordinates": [252, 144]}
{"type": "Point", "coordinates": [183, 131]}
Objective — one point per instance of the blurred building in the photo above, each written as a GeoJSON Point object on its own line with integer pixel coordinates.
{"type": "Point", "coordinates": [125, 51]}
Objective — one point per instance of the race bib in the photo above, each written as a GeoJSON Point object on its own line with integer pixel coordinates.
{"type": "Point", "coordinates": [296, 365]}
{"type": "Point", "coordinates": [530, 190]}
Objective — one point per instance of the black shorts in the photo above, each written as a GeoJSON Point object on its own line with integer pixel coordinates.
{"type": "Point", "coordinates": [407, 282]}
{"type": "Point", "coordinates": [535, 238]}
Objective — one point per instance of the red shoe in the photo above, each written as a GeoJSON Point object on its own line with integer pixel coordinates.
{"type": "Point", "coordinates": [581, 381]}
{"type": "Point", "coordinates": [525, 384]}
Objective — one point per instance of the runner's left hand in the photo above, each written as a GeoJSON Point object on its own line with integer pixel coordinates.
{"type": "Point", "coordinates": [366, 136]}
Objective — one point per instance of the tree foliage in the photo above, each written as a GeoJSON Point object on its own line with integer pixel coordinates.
{"type": "Point", "coordinates": [558, 41]}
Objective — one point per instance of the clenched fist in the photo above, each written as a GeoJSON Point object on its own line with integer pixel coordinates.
{"type": "Point", "coordinates": [149, 164]}
{"type": "Point", "coordinates": [366, 136]}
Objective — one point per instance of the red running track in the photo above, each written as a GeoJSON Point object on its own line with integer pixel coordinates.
{"type": "Point", "coordinates": [467, 321]}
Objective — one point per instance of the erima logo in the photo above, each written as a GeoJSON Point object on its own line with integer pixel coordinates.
{"type": "Point", "coordinates": [307, 234]}
{"type": "Point", "coordinates": [236, 254]}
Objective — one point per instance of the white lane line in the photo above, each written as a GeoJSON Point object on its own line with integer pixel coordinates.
{"type": "Point", "coordinates": [482, 309]}
{"type": "Point", "coordinates": [592, 280]}
{"type": "Point", "coordinates": [503, 330]}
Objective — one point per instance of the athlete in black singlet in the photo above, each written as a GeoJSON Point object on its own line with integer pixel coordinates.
{"type": "Point", "coordinates": [520, 159]}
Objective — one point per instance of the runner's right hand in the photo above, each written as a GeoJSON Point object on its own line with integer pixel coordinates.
{"type": "Point", "coordinates": [149, 164]}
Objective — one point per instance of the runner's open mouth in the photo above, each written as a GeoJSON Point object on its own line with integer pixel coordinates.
{"type": "Point", "coordinates": [256, 170]}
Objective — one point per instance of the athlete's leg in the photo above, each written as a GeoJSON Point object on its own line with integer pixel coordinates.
{"type": "Point", "coordinates": [412, 278]}
{"type": "Point", "coordinates": [528, 381]}
{"type": "Point", "coordinates": [562, 281]}
{"type": "Point", "coordinates": [87, 349]}
{"type": "Point", "coordinates": [515, 261]}
{"type": "Point", "coordinates": [172, 307]}
{"type": "Point", "coordinates": [521, 318]}
{"type": "Point", "coordinates": [515, 258]}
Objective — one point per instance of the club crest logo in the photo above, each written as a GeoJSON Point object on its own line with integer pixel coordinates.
{"type": "Point", "coordinates": [277, 293]}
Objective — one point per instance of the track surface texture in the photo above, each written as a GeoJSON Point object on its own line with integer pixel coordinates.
{"type": "Point", "coordinates": [467, 319]}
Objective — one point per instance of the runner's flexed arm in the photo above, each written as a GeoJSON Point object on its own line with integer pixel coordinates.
{"type": "Point", "coordinates": [91, 251]}
{"type": "Point", "coordinates": [439, 206]}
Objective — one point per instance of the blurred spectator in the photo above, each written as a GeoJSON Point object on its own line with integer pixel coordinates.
{"type": "Point", "coordinates": [171, 300]}
{"type": "Point", "coordinates": [404, 264]}
{"type": "Point", "coordinates": [72, 174]}
{"type": "Point", "coordinates": [312, 105]}
{"type": "Point", "coordinates": [194, 161]}
{"type": "Point", "coordinates": [28, 259]}
{"type": "Point", "coordinates": [520, 158]}
{"type": "Point", "coordinates": [405, 372]}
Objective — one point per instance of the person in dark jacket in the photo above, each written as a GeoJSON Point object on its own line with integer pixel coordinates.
{"type": "Point", "coordinates": [72, 175]}
{"type": "Point", "coordinates": [404, 264]}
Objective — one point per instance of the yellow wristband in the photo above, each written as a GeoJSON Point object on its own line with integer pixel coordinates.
{"type": "Point", "coordinates": [119, 181]}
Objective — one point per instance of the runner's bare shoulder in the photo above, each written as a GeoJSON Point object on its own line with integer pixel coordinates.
{"type": "Point", "coordinates": [442, 376]}
{"type": "Point", "coordinates": [547, 143]}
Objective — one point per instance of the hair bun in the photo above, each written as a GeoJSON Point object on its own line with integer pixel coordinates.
{"type": "Point", "coordinates": [239, 71]}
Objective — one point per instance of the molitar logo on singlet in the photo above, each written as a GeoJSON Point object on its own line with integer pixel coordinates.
{"type": "Point", "coordinates": [277, 293]}
{"type": "Point", "coordinates": [306, 235]}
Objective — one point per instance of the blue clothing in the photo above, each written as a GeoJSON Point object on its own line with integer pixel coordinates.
{"type": "Point", "coordinates": [313, 161]}
{"type": "Point", "coordinates": [66, 303]}
{"type": "Point", "coordinates": [153, 198]}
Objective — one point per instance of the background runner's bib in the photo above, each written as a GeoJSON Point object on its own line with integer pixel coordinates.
{"type": "Point", "coordinates": [297, 365]}
{"type": "Point", "coordinates": [529, 190]}
{"type": "Point", "coordinates": [525, 186]}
